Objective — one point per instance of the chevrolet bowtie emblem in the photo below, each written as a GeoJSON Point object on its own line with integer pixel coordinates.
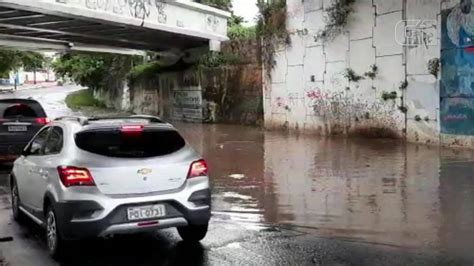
{"type": "Point", "coordinates": [144, 171]}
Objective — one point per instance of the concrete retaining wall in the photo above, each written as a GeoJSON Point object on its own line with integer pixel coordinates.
{"type": "Point", "coordinates": [228, 93]}
{"type": "Point", "coordinates": [307, 90]}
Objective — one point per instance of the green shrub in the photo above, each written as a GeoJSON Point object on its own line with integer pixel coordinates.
{"type": "Point", "coordinates": [238, 31]}
{"type": "Point", "coordinates": [82, 98]}
{"type": "Point", "coordinates": [214, 59]}
{"type": "Point", "coordinates": [144, 71]}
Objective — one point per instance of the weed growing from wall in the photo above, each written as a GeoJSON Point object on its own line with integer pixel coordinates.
{"type": "Point", "coordinates": [403, 85]}
{"type": "Point", "coordinates": [434, 66]}
{"type": "Point", "coordinates": [336, 18]}
{"type": "Point", "coordinates": [372, 73]}
{"type": "Point", "coordinates": [403, 109]}
{"type": "Point", "coordinates": [217, 59]}
{"type": "Point", "coordinates": [389, 95]}
{"type": "Point", "coordinates": [271, 28]}
{"type": "Point", "coordinates": [352, 76]}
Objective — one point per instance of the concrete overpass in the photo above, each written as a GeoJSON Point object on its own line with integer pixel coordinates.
{"type": "Point", "coordinates": [118, 26]}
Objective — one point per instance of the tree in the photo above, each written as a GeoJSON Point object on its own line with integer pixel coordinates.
{"type": "Point", "coordinates": [32, 61]}
{"type": "Point", "coordinates": [85, 69]}
{"type": "Point", "coordinates": [93, 70]}
{"type": "Point", "coordinates": [12, 60]}
{"type": "Point", "coordinates": [235, 20]}
{"type": "Point", "coordinates": [235, 29]}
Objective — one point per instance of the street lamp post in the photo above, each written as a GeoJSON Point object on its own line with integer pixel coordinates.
{"type": "Point", "coordinates": [15, 80]}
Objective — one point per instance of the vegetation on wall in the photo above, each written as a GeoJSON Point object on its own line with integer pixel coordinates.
{"type": "Point", "coordinates": [352, 76]}
{"type": "Point", "coordinates": [335, 18]}
{"type": "Point", "coordinates": [271, 28]}
{"type": "Point", "coordinates": [434, 67]}
{"type": "Point", "coordinates": [372, 73]}
{"type": "Point", "coordinates": [217, 59]}
{"type": "Point", "coordinates": [145, 71]}
{"type": "Point", "coordinates": [403, 109]}
{"type": "Point", "coordinates": [403, 85]}
{"type": "Point", "coordinates": [236, 29]}
{"type": "Point", "coordinates": [389, 95]}
{"type": "Point", "coordinates": [241, 32]}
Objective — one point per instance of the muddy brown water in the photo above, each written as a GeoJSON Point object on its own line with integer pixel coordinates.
{"type": "Point", "coordinates": [379, 191]}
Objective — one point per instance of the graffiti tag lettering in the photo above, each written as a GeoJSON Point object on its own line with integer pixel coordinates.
{"type": "Point", "coordinates": [416, 33]}
{"type": "Point", "coordinates": [140, 9]}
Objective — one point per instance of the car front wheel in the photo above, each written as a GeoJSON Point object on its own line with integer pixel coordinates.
{"type": "Point", "coordinates": [193, 233]}
{"type": "Point", "coordinates": [17, 214]}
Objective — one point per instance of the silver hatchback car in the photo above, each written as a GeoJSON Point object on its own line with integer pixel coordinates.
{"type": "Point", "coordinates": [97, 177]}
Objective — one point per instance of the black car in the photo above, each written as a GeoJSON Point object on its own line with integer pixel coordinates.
{"type": "Point", "coordinates": [20, 119]}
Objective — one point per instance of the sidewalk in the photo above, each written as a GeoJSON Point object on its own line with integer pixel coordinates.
{"type": "Point", "coordinates": [11, 88]}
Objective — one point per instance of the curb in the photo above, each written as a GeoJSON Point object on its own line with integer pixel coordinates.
{"type": "Point", "coordinates": [21, 88]}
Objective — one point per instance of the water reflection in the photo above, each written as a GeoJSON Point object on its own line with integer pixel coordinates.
{"type": "Point", "coordinates": [457, 201]}
{"type": "Point", "coordinates": [377, 191]}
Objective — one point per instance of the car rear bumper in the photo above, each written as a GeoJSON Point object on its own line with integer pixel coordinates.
{"type": "Point", "coordinates": [72, 225]}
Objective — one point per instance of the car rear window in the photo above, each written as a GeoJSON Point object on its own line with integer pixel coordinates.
{"type": "Point", "coordinates": [149, 143]}
{"type": "Point", "coordinates": [21, 109]}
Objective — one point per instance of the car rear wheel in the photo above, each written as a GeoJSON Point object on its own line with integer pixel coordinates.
{"type": "Point", "coordinates": [17, 214]}
{"type": "Point", "coordinates": [56, 245]}
{"type": "Point", "coordinates": [193, 233]}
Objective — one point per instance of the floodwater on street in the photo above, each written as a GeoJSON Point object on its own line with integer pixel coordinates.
{"type": "Point", "coordinates": [371, 190]}
{"type": "Point", "coordinates": [278, 197]}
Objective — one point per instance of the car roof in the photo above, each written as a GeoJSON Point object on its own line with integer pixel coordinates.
{"type": "Point", "coordinates": [33, 104]}
{"type": "Point", "coordinates": [17, 100]}
{"type": "Point", "coordinates": [108, 121]}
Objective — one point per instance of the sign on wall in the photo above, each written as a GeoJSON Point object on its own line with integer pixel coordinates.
{"type": "Point", "coordinates": [457, 75]}
{"type": "Point", "coordinates": [185, 95]}
{"type": "Point", "coordinates": [187, 103]}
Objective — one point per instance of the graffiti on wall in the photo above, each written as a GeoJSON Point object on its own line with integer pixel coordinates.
{"type": "Point", "coordinates": [140, 9]}
{"type": "Point", "coordinates": [457, 76]}
{"type": "Point", "coordinates": [417, 33]}
{"type": "Point", "coordinates": [212, 22]}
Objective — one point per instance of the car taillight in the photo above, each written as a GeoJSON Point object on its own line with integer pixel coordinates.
{"type": "Point", "coordinates": [75, 176]}
{"type": "Point", "coordinates": [132, 130]}
{"type": "Point", "coordinates": [198, 168]}
{"type": "Point", "coordinates": [42, 120]}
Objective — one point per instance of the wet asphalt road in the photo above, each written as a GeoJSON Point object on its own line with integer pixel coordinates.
{"type": "Point", "coordinates": [293, 200]}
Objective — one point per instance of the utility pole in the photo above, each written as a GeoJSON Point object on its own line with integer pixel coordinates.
{"type": "Point", "coordinates": [16, 78]}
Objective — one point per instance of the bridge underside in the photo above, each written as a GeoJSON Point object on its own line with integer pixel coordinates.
{"type": "Point", "coordinates": [53, 29]}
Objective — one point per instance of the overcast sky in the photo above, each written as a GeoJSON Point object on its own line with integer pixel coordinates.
{"type": "Point", "coordinates": [246, 9]}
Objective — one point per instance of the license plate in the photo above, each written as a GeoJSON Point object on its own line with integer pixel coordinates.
{"type": "Point", "coordinates": [17, 128]}
{"type": "Point", "coordinates": [146, 212]}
